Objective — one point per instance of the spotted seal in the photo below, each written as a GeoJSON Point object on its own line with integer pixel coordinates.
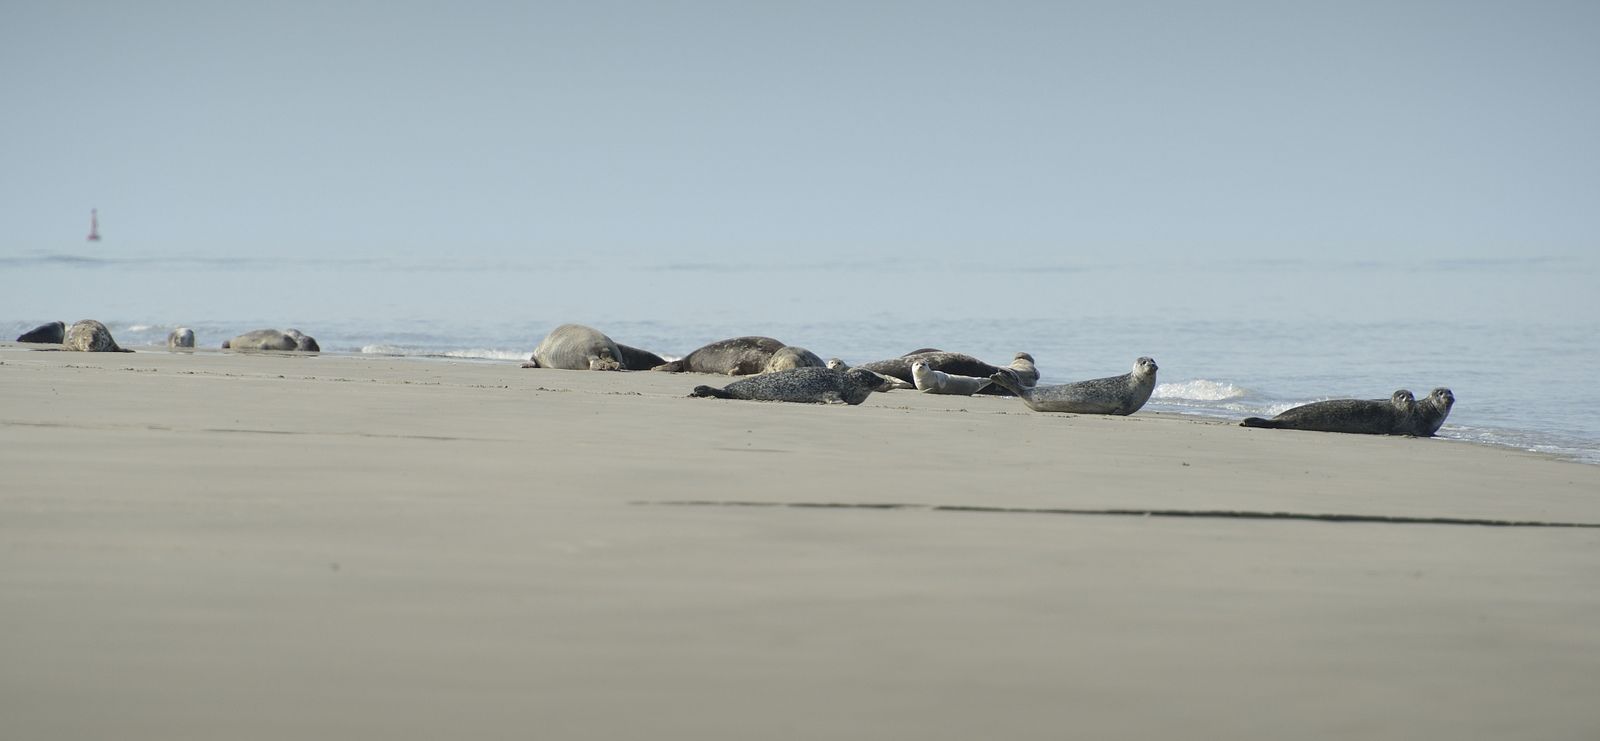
{"type": "Point", "coordinates": [801, 385]}
{"type": "Point", "coordinates": [930, 381]}
{"type": "Point", "coordinates": [1119, 395]}
{"type": "Point", "coordinates": [50, 334]}
{"type": "Point", "coordinates": [576, 347]}
{"type": "Point", "coordinates": [182, 337]}
{"type": "Point", "coordinates": [1401, 414]}
{"type": "Point", "coordinates": [90, 336]}
{"type": "Point", "coordinates": [790, 356]}
{"type": "Point", "coordinates": [739, 356]}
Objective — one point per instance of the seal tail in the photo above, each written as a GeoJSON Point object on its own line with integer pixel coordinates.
{"type": "Point", "coordinates": [706, 392]}
{"type": "Point", "coordinates": [1259, 422]}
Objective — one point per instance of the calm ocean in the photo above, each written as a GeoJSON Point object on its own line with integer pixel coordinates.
{"type": "Point", "coordinates": [1515, 339]}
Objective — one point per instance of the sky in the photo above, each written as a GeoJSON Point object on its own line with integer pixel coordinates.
{"type": "Point", "coordinates": [1027, 132]}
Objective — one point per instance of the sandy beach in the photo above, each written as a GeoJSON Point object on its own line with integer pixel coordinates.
{"type": "Point", "coordinates": [269, 546]}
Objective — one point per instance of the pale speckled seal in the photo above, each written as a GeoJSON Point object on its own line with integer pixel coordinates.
{"type": "Point", "coordinates": [954, 363]}
{"type": "Point", "coordinates": [801, 385]}
{"type": "Point", "coordinates": [1119, 395]}
{"type": "Point", "coordinates": [887, 383]}
{"type": "Point", "coordinates": [930, 381]}
{"type": "Point", "coordinates": [262, 339]}
{"type": "Point", "coordinates": [790, 356]}
{"type": "Point", "coordinates": [739, 356]}
{"type": "Point", "coordinates": [1401, 414]}
{"type": "Point", "coordinates": [51, 334]}
{"type": "Point", "coordinates": [90, 336]}
{"type": "Point", "coordinates": [576, 347]}
{"type": "Point", "coordinates": [182, 337]}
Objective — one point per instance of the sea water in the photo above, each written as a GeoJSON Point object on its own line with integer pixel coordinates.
{"type": "Point", "coordinates": [1515, 339]}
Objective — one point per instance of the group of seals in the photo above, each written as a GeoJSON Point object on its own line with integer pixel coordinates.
{"type": "Point", "coordinates": [808, 385]}
{"type": "Point", "coordinates": [930, 381]}
{"type": "Point", "coordinates": [743, 356]}
{"type": "Point", "coordinates": [271, 339]}
{"type": "Point", "coordinates": [1119, 395]}
{"type": "Point", "coordinates": [1402, 414]}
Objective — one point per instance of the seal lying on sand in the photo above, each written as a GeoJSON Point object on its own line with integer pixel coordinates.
{"type": "Point", "coordinates": [270, 339]}
{"type": "Point", "coordinates": [930, 381]}
{"type": "Point", "coordinates": [1027, 374]}
{"type": "Point", "coordinates": [1120, 395]}
{"type": "Point", "coordinates": [90, 336]}
{"type": "Point", "coordinates": [181, 337]}
{"type": "Point", "coordinates": [740, 356]}
{"type": "Point", "coordinates": [802, 385]}
{"type": "Point", "coordinates": [51, 334]}
{"type": "Point", "coordinates": [635, 359]}
{"type": "Point", "coordinates": [1401, 414]}
{"type": "Point", "coordinates": [887, 383]}
{"type": "Point", "coordinates": [576, 347]}
{"type": "Point", "coordinates": [303, 341]}
{"type": "Point", "coordinates": [954, 363]}
{"type": "Point", "coordinates": [790, 356]}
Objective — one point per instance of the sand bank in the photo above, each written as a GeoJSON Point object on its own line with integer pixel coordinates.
{"type": "Point", "coordinates": [217, 545]}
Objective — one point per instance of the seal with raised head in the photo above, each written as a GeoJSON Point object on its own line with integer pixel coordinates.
{"type": "Point", "coordinates": [262, 339]}
{"type": "Point", "coordinates": [1022, 364]}
{"type": "Point", "coordinates": [1395, 416]}
{"type": "Point", "coordinates": [1428, 415]}
{"type": "Point", "coordinates": [576, 347]}
{"type": "Point", "coordinates": [90, 336]}
{"type": "Point", "coordinates": [790, 356]}
{"type": "Point", "coordinates": [887, 383]}
{"type": "Point", "coordinates": [182, 337]}
{"type": "Point", "coordinates": [50, 334]}
{"type": "Point", "coordinates": [303, 341]}
{"type": "Point", "coordinates": [1119, 395]}
{"type": "Point", "coordinates": [801, 385]}
{"type": "Point", "coordinates": [930, 381]}
{"type": "Point", "coordinates": [739, 356]}
{"type": "Point", "coordinates": [954, 363]}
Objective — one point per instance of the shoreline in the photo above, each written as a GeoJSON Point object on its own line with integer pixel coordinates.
{"type": "Point", "coordinates": [266, 545]}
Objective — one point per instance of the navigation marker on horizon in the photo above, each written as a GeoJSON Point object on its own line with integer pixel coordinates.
{"type": "Point", "coordinates": [94, 225]}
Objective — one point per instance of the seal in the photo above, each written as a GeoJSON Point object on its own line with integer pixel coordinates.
{"type": "Point", "coordinates": [302, 341]}
{"type": "Point", "coordinates": [1027, 374]}
{"type": "Point", "coordinates": [576, 347]}
{"type": "Point", "coordinates": [1428, 415]}
{"type": "Point", "coordinates": [262, 339]}
{"type": "Point", "coordinates": [800, 385]}
{"type": "Point", "coordinates": [180, 338]}
{"type": "Point", "coordinates": [739, 356]}
{"type": "Point", "coordinates": [50, 334]}
{"type": "Point", "coordinates": [930, 381]}
{"type": "Point", "coordinates": [90, 336]}
{"type": "Point", "coordinates": [790, 356]}
{"type": "Point", "coordinates": [1119, 395]}
{"type": "Point", "coordinates": [887, 383]}
{"type": "Point", "coordinates": [954, 363]}
{"type": "Point", "coordinates": [635, 359]}
{"type": "Point", "coordinates": [1396, 416]}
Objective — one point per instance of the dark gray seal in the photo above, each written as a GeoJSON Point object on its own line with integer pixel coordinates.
{"type": "Point", "coordinates": [635, 359]}
{"type": "Point", "coordinates": [50, 334]}
{"type": "Point", "coordinates": [1119, 395]}
{"type": "Point", "coordinates": [179, 338]}
{"type": "Point", "coordinates": [740, 356]}
{"type": "Point", "coordinates": [302, 341]}
{"type": "Point", "coordinates": [1400, 414]}
{"type": "Point", "coordinates": [576, 347]}
{"type": "Point", "coordinates": [800, 385]}
{"type": "Point", "coordinates": [90, 336]}
{"type": "Point", "coordinates": [262, 339]}
{"type": "Point", "coordinates": [930, 381]}
{"type": "Point", "coordinates": [790, 356]}
{"type": "Point", "coordinates": [886, 383]}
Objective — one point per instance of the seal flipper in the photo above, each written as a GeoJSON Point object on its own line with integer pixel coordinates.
{"type": "Point", "coordinates": [1259, 422]}
{"type": "Point", "coordinates": [706, 392]}
{"type": "Point", "coordinates": [675, 366]}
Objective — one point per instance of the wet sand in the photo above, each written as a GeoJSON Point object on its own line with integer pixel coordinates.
{"type": "Point", "coordinates": [268, 546]}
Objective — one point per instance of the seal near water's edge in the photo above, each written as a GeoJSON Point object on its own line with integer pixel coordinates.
{"type": "Point", "coordinates": [262, 339]}
{"type": "Point", "coordinates": [1026, 372]}
{"type": "Point", "coordinates": [1120, 395]}
{"type": "Point", "coordinates": [576, 347]}
{"type": "Point", "coordinates": [930, 381]}
{"type": "Point", "coordinates": [90, 336]}
{"type": "Point", "coordinates": [790, 356]}
{"type": "Point", "coordinates": [954, 363]}
{"type": "Point", "coordinates": [1428, 415]}
{"type": "Point", "coordinates": [800, 385]}
{"type": "Point", "coordinates": [635, 359]}
{"type": "Point", "coordinates": [1394, 416]}
{"type": "Point", "coordinates": [739, 356]}
{"type": "Point", "coordinates": [181, 337]}
{"type": "Point", "coordinates": [303, 341]}
{"type": "Point", "coordinates": [51, 334]}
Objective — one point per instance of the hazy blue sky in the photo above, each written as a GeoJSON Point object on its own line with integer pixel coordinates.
{"type": "Point", "coordinates": [1052, 130]}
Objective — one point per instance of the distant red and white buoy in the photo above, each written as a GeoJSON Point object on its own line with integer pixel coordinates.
{"type": "Point", "coordinates": [94, 225]}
